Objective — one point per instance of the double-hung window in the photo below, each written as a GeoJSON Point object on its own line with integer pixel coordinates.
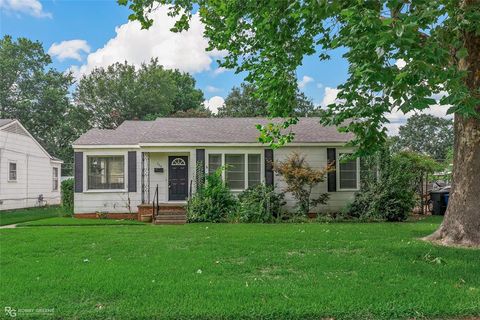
{"type": "Point", "coordinates": [12, 171]}
{"type": "Point", "coordinates": [105, 172]}
{"type": "Point", "coordinates": [235, 171]}
{"type": "Point", "coordinates": [55, 179]}
{"type": "Point", "coordinates": [254, 170]}
{"type": "Point", "coordinates": [241, 170]}
{"type": "Point", "coordinates": [348, 172]}
{"type": "Point", "coordinates": [214, 162]}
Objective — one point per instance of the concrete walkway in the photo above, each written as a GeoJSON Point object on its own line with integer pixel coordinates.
{"type": "Point", "coordinates": [8, 226]}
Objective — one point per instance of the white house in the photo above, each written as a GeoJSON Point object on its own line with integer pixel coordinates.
{"type": "Point", "coordinates": [118, 170]}
{"type": "Point", "coordinates": [29, 176]}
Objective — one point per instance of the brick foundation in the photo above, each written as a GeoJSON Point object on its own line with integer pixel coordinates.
{"type": "Point", "coordinates": [144, 209]}
{"type": "Point", "coordinates": [116, 216]}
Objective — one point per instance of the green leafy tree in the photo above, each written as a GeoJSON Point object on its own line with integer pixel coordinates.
{"type": "Point", "coordinates": [37, 95]}
{"type": "Point", "coordinates": [193, 113]}
{"type": "Point", "coordinates": [439, 41]}
{"type": "Point", "coordinates": [122, 92]}
{"type": "Point", "coordinates": [243, 101]}
{"type": "Point", "coordinates": [426, 134]}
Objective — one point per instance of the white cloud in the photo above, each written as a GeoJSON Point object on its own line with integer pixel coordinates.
{"type": "Point", "coordinates": [305, 80]}
{"type": "Point", "coordinates": [219, 70]}
{"type": "Point", "coordinates": [30, 7]}
{"type": "Point", "coordinates": [184, 51]}
{"type": "Point", "coordinates": [212, 89]}
{"type": "Point", "coordinates": [70, 49]}
{"type": "Point", "coordinates": [214, 103]}
{"type": "Point", "coordinates": [330, 96]}
{"type": "Point", "coordinates": [400, 63]}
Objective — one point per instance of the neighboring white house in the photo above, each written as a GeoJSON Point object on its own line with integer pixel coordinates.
{"type": "Point", "coordinates": [29, 176]}
{"type": "Point", "coordinates": [117, 170]}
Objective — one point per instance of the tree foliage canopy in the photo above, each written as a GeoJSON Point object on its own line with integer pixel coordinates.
{"type": "Point", "coordinates": [270, 39]}
{"type": "Point", "coordinates": [37, 95]}
{"type": "Point", "coordinates": [243, 101]}
{"type": "Point", "coordinates": [122, 92]}
{"type": "Point", "coordinates": [426, 134]}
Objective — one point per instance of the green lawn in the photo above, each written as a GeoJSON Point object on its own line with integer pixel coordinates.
{"type": "Point", "coordinates": [64, 221]}
{"type": "Point", "coordinates": [21, 215]}
{"type": "Point", "coordinates": [344, 270]}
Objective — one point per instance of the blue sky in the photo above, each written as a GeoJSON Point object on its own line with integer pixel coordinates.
{"type": "Point", "coordinates": [83, 34]}
{"type": "Point", "coordinates": [95, 23]}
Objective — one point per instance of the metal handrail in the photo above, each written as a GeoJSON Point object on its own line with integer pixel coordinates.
{"type": "Point", "coordinates": [155, 204]}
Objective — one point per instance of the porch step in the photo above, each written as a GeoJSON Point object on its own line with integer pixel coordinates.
{"type": "Point", "coordinates": [171, 209]}
{"type": "Point", "coordinates": [171, 219]}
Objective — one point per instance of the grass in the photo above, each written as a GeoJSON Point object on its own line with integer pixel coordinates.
{"type": "Point", "coordinates": [64, 221]}
{"type": "Point", "coordinates": [297, 271]}
{"type": "Point", "coordinates": [22, 215]}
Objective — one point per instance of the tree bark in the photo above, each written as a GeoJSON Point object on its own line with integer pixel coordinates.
{"type": "Point", "coordinates": [461, 225]}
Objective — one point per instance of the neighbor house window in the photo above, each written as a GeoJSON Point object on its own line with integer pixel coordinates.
{"type": "Point", "coordinates": [254, 170]}
{"type": "Point", "coordinates": [214, 162]}
{"type": "Point", "coordinates": [55, 179]}
{"type": "Point", "coordinates": [347, 172]}
{"type": "Point", "coordinates": [105, 172]}
{"type": "Point", "coordinates": [235, 171]}
{"type": "Point", "coordinates": [12, 171]}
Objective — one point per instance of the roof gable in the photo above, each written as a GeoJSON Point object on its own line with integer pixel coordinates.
{"type": "Point", "coordinates": [14, 126]}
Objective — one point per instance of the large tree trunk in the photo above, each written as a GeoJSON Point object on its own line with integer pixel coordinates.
{"type": "Point", "coordinates": [461, 225]}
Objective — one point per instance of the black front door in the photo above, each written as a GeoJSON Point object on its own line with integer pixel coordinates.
{"type": "Point", "coordinates": [177, 178]}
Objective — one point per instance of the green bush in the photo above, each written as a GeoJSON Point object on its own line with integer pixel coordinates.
{"type": "Point", "coordinates": [259, 204]}
{"type": "Point", "coordinates": [213, 202]}
{"type": "Point", "coordinates": [388, 188]}
{"type": "Point", "coordinates": [67, 195]}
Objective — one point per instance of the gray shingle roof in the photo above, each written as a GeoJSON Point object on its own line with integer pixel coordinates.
{"type": "Point", "coordinates": [205, 130]}
{"type": "Point", "coordinates": [5, 121]}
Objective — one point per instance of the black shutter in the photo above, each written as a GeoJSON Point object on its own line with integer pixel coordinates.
{"type": "Point", "coordinates": [269, 167]}
{"type": "Point", "coordinates": [78, 172]}
{"type": "Point", "coordinates": [332, 175]}
{"type": "Point", "coordinates": [132, 171]}
{"type": "Point", "coordinates": [200, 167]}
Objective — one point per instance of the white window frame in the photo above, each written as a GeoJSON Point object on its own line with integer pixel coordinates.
{"type": "Point", "coordinates": [104, 154]}
{"type": "Point", "coordinates": [337, 168]}
{"type": "Point", "coordinates": [16, 171]}
{"type": "Point", "coordinates": [53, 179]}
{"type": "Point", "coordinates": [245, 155]}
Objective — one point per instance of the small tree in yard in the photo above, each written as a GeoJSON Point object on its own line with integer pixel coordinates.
{"type": "Point", "coordinates": [301, 179]}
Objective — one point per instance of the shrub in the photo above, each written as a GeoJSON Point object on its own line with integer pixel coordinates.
{"type": "Point", "coordinates": [213, 201]}
{"type": "Point", "coordinates": [259, 204]}
{"type": "Point", "coordinates": [388, 188]}
{"type": "Point", "coordinates": [301, 179]}
{"type": "Point", "coordinates": [67, 195]}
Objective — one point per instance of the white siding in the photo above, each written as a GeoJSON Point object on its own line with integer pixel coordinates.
{"type": "Point", "coordinates": [317, 158]}
{"type": "Point", "coordinates": [34, 172]}
{"type": "Point", "coordinates": [91, 201]}
{"type": "Point", "coordinates": [117, 201]}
